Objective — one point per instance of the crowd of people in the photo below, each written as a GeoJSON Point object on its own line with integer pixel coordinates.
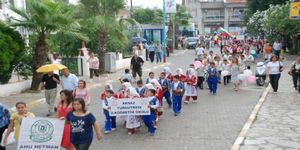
{"type": "Point", "coordinates": [174, 87]}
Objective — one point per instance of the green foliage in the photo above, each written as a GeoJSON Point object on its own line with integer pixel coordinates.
{"type": "Point", "coordinates": [148, 16]}
{"type": "Point", "coordinates": [260, 5]}
{"type": "Point", "coordinates": [11, 51]}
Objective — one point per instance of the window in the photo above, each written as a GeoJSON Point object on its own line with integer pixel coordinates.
{"type": "Point", "coordinates": [214, 14]}
{"type": "Point", "coordinates": [237, 12]}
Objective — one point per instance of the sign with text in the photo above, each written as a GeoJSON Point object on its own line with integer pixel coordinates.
{"type": "Point", "coordinates": [40, 134]}
{"type": "Point", "coordinates": [295, 11]}
{"type": "Point", "coordinates": [127, 106]}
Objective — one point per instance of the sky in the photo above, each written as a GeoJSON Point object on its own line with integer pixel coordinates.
{"type": "Point", "coordinates": [149, 3]}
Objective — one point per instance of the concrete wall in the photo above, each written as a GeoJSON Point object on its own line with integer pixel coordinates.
{"type": "Point", "coordinates": [14, 88]}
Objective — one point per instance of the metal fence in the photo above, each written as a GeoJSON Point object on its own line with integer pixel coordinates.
{"type": "Point", "coordinates": [71, 63]}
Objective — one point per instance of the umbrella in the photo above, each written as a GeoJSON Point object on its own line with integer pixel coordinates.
{"type": "Point", "coordinates": [50, 67]}
{"type": "Point", "coordinates": [138, 40]}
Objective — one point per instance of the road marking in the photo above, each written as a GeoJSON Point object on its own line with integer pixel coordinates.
{"type": "Point", "coordinates": [242, 136]}
{"type": "Point", "coordinates": [89, 86]}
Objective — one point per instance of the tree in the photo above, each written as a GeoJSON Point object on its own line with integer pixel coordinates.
{"type": "Point", "coordinates": [260, 5]}
{"type": "Point", "coordinates": [100, 17]}
{"type": "Point", "coordinates": [148, 16]}
{"type": "Point", "coordinates": [11, 51]}
{"type": "Point", "coordinates": [180, 18]}
{"type": "Point", "coordinates": [255, 23]}
{"type": "Point", "coordinates": [44, 17]}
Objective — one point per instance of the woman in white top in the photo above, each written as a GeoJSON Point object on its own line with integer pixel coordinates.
{"type": "Point", "coordinates": [274, 69]}
{"type": "Point", "coordinates": [93, 65]}
{"type": "Point", "coordinates": [295, 73]}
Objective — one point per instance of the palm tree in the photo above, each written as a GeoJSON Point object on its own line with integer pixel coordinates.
{"type": "Point", "coordinates": [101, 17]}
{"type": "Point", "coordinates": [180, 18]}
{"type": "Point", "coordinates": [44, 17]}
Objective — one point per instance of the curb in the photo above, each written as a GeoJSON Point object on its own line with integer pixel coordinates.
{"type": "Point", "coordinates": [242, 136]}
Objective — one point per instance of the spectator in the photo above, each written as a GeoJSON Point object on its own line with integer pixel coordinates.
{"type": "Point", "coordinates": [136, 65]}
{"type": "Point", "coordinates": [50, 81]}
{"type": "Point", "coordinates": [151, 52]}
{"type": "Point", "coordinates": [69, 81]}
{"type": "Point", "coordinates": [274, 69]}
{"type": "Point", "coordinates": [295, 73]}
{"type": "Point", "coordinates": [4, 121]}
{"type": "Point", "coordinates": [93, 65]}
{"type": "Point", "coordinates": [158, 52]}
{"type": "Point", "coordinates": [277, 47]}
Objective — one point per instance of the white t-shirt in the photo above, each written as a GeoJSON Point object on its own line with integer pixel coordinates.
{"type": "Point", "coordinates": [126, 76]}
{"type": "Point", "coordinates": [274, 67]}
{"type": "Point", "coordinates": [200, 50]}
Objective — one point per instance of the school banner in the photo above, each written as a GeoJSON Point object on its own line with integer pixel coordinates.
{"type": "Point", "coordinates": [170, 6]}
{"type": "Point", "coordinates": [40, 134]}
{"type": "Point", "coordinates": [127, 106]}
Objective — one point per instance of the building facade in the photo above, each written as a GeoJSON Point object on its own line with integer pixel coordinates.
{"type": "Point", "coordinates": [209, 15]}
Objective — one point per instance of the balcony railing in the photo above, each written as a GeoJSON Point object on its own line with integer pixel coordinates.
{"type": "Point", "coordinates": [214, 17]}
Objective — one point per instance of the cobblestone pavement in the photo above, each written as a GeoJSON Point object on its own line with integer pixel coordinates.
{"type": "Point", "coordinates": [277, 126]}
{"type": "Point", "coordinates": [211, 124]}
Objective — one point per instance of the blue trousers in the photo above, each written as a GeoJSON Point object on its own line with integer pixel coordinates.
{"type": "Point", "coordinates": [158, 57]}
{"type": "Point", "coordinates": [110, 121]}
{"type": "Point", "coordinates": [149, 122]}
{"type": "Point", "coordinates": [213, 84]}
{"type": "Point", "coordinates": [167, 96]}
{"type": "Point", "coordinates": [177, 100]}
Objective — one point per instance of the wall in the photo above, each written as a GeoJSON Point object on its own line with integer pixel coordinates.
{"type": "Point", "coordinates": [14, 88]}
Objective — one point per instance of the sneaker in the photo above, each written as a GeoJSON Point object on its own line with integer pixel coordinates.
{"type": "Point", "coordinates": [113, 129]}
{"type": "Point", "coordinates": [49, 115]}
{"type": "Point", "coordinates": [106, 132]}
{"type": "Point", "coordinates": [151, 134]}
{"type": "Point", "coordinates": [155, 126]}
{"type": "Point", "coordinates": [176, 114]}
{"type": "Point", "coordinates": [186, 102]}
{"type": "Point", "coordinates": [129, 133]}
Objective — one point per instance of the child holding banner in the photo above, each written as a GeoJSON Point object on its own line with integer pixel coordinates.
{"type": "Point", "coordinates": [16, 120]}
{"type": "Point", "coordinates": [108, 86]}
{"type": "Point", "coordinates": [82, 123]}
{"type": "Point", "coordinates": [63, 108]}
{"type": "Point", "coordinates": [177, 92]}
{"type": "Point", "coordinates": [110, 122]}
{"type": "Point", "coordinates": [153, 104]}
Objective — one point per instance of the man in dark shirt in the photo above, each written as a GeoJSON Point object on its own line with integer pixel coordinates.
{"type": "Point", "coordinates": [50, 81]}
{"type": "Point", "coordinates": [136, 64]}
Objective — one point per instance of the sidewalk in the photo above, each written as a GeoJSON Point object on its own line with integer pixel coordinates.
{"type": "Point", "coordinates": [35, 98]}
{"type": "Point", "coordinates": [277, 125]}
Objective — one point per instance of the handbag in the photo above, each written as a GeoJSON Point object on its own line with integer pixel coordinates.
{"type": "Point", "coordinates": [280, 67]}
{"type": "Point", "coordinates": [10, 139]}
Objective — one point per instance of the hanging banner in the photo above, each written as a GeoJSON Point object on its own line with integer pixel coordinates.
{"type": "Point", "coordinates": [170, 6]}
{"type": "Point", "coordinates": [295, 10]}
{"type": "Point", "coordinates": [127, 106]}
{"type": "Point", "coordinates": [40, 134]}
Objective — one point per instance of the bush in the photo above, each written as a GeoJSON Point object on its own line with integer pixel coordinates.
{"type": "Point", "coordinates": [11, 51]}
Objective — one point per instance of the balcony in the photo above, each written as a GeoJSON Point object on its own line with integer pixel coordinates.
{"type": "Point", "coordinates": [219, 18]}
{"type": "Point", "coordinates": [211, 5]}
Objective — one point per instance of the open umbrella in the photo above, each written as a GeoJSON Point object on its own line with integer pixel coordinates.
{"type": "Point", "coordinates": [50, 67]}
{"type": "Point", "coordinates": [138, 40]}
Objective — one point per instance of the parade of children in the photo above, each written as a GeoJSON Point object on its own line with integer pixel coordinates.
{"type": "Point", "coordinates": [168, 90]}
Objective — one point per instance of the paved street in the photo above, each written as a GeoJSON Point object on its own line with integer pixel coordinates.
{"type": "Point", "coordinates": [211, 124]}
{"type": "Point", "coordinates": [277, 126]}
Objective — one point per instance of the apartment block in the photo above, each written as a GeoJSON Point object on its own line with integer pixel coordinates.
{"type": "Point", "coordinates": [209, 15]}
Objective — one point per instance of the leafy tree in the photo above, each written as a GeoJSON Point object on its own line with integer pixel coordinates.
{"type": "Point", "coordinates": [180, 18]}
{"type": "Point", "coordinates": [148, 16]}
{"type": "Point", "coordinates": [100, 19]}
{"type": "Point", "coordinates": [42, 18]}
{"type": "Point", "coordinates": [11, 51]}
{"type": "Point", "coordinates": [260, 5]}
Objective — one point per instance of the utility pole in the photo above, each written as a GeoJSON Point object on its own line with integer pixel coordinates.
{"type": "Point", "coordinates": [131, 9]}
{"type": "Point", "coordinates": [164, 31]}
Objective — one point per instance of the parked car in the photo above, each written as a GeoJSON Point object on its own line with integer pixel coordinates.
{"type": "Point", "coordinates": [192, 42]}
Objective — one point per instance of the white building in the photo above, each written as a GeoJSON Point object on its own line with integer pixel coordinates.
{"type": "Point", "coordinates": [209, 15]}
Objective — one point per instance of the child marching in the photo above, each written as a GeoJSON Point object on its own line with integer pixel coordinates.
{"type": "Point", "coordinates": [149, 120]}
{"type": "Point", "coordinates": [212, 79]}
{"type": "Point", "coordinates": [177, 93]}
{"type": "Point", "coordinates": [165, 84]}
{"type": "Point", "coordinates": [191, 83]}
{"type": "Point", "coordinates": [110, 122]}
